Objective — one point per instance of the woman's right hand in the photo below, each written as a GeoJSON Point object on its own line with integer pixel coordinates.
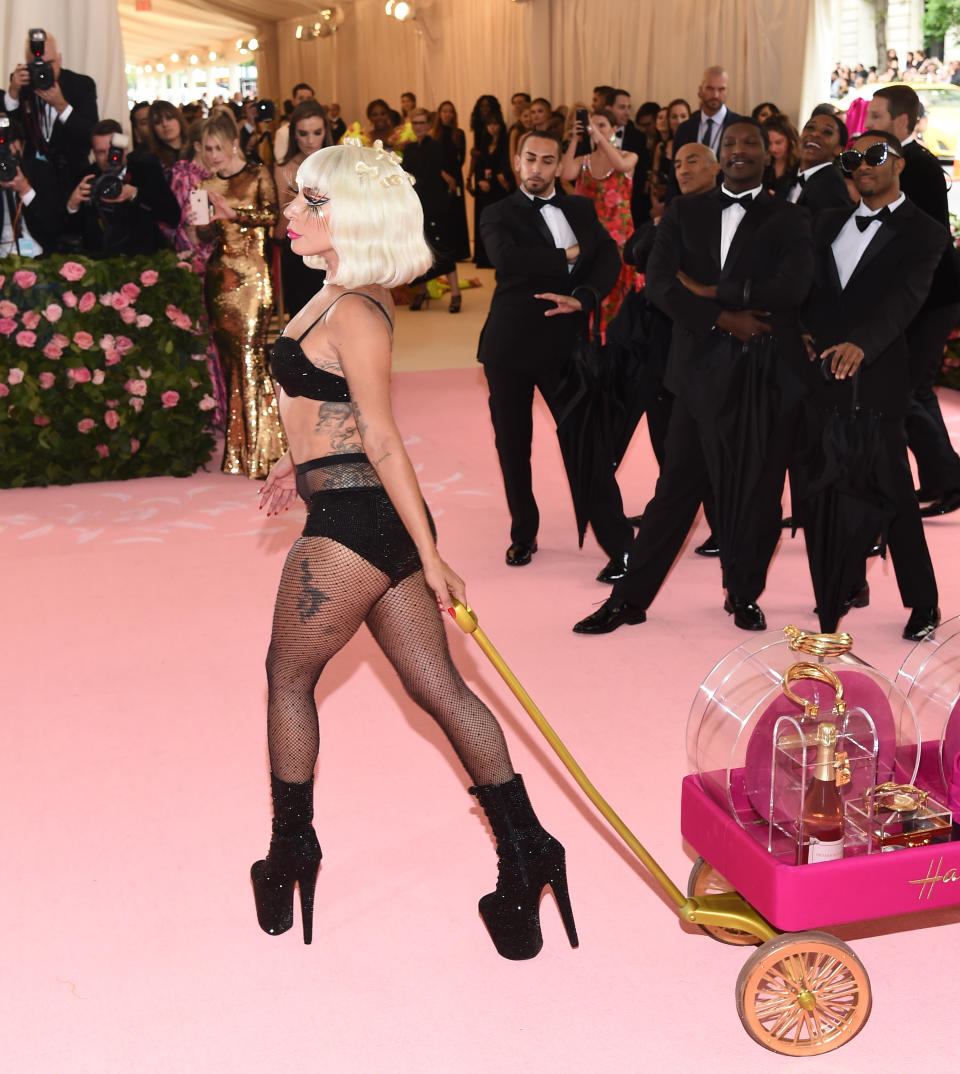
{"type": "Point", "coordinates": [279, 491]}
{"type": "Point", "coordinates": [445, 583]}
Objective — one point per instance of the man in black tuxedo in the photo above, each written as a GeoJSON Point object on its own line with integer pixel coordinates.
{"type": "Point", "coordinates": [553, 258]}
{"type": "Point", "coordinates": [631, 140]}
{"type": "Point", "coordinates": [709, 121]}
{"type": "Point", "coordinates": [731, 268]}
{"type": "Point", "coordinates": [29, 207]}
{"type": "Point", "coordinates": [819, 183]}
{"type": "Point", "coordinates": [873, 270]}
{"type": "Point", "coordinates": [896, 109]}
{"type": "Point", "coordinates": [58, 121]}
{"type": "Point", "coordinates": [127, 224]}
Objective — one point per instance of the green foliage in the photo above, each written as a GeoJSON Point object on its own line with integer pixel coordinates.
{"type": "Point", "coordinates": [940, 17]}
{"type": "Point", "coordinates": [102, 370]}
{"type": "Point", "coordinates": [950, 370]}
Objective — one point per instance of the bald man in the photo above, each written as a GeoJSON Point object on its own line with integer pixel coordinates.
{"type": "Point", "coordinates": [707, 124]}
{"type": "Point", "coordinates": [57, 120]}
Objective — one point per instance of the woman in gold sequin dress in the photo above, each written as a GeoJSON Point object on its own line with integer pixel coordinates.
{"type": "Point", "coordinates": [243, 209]}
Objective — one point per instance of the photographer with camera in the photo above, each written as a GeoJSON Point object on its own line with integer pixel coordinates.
{"type": "Point", "coordinates": [28, 198]}
{"type": "Point", "coordinates": [117, 205]}
{"type": "Point", "coordinates": [57, 109]}
{"type": "Point", "coordinates": [256, 139]}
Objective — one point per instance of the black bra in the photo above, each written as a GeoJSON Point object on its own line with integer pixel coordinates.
{"type": "Point", "coordinates": [297, 375]}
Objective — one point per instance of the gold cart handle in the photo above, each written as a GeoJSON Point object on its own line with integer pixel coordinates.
{"type": "Point", "coordinates": [818, 644]}
{"type": "Point", "coordinates": [805, 670]}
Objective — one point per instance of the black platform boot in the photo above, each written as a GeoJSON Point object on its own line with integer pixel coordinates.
{"type": "Point", "coordinates": [529, 859]}
{"type": "Point", "coordinates": [293, 858]}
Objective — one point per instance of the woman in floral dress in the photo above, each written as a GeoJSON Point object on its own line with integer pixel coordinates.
{"type": "Point", "coordinates": [605, 175]}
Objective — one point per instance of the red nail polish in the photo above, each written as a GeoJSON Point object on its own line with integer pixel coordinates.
{"type": "Point", "coordinates": [452, 612]}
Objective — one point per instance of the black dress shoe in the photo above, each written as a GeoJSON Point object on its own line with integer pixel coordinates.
{"type": "Point", "coordinates": [922, 621]}
{"type": "Point", "coordinates": [615, 569]}
{"type": "Point", "coordinates": [520, 552]}
{"type": "Point", "coordinates": [708, 548]}
{"type": "Point", "coordinates": [876, 549]}
{"type": "Point", "coordinates": [859, 598]}
{"type": "Point", "coordinates": [945, 505]}
{"type": "Point", "coordinates": [611, 614]}
{"type": "Point", "coordinates": [746, 614]}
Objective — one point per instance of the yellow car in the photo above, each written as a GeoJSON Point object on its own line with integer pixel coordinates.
{"type": "Point", "coordinates": [942, 104]}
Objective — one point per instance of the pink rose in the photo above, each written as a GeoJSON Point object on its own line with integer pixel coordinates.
{"type": "Point", "coordinates": [130, 290]}
{"type": "Point", "coordinates": [60, 339]}
{"type": "Point", "coordinates": [31, 319]}
{"type": "Point", "coordinates": [85, 425]}
{"type": "Point", "coordinates": [145, 373]}
{"type": "Point", "coordinates": [106, 342]}
{"type": "Point", "coordinates": [207, 403]}
{"type": "Point", "coordinates": [4, 390]}
{"type": "Point", "coordinates": [7, 309]}
{"type": "Point", "coordinates": [26, 339]}
{"type": "Point", "coordinates": [106, 299]}
{"type": "Point", "coordinates": [111, 419]}
{"type": "Point", "coordinates": [113, 402]}
{"type": "Point", "coordinates": [102, 450]}
{"type": "Point", "coordinates": [98, 376]}
{"type": "Point", "coordinates": [172, 312]}
{"type": "Point", "coordinates": [134, 445]}
{"type": "Point", "coordinates": [199, 357]}
{"type": "Point", "coordinates": [47, 380]}
{"type": "Point", "coordinates": [144, 320]}
{"type": "Point", "coordinates": [136, 387]}
{"type": "Point", "coordinates": [81, 375]}
{"type": "Point", "coordinates": [170, 399]}
{"type": "Point", "coordinates": [69, 299]}
{"type": "Point", "coordinates": [184, 322]}
{"type": "Point", "coordinates": [52, 351]}
{"type": "Point", "coordinates": [119, 301]}
{"type": "Point", "coordinates": [24, 279]}
{"type": "Point", "coordinates": [128, 316]}
{"type": "Point", "coordinates": [112, 357]}
{"type": "Point", "coordinates": [7, 326]}
{"type": "Point", "coordinates": [83, 340]}
{"type": "Point", "coordinates": [53, 312]}
{"type": "Point", "coordinates": [39, 419]}
{"type": "Point", "coordinates": [72, 271]}
{"type": "Point", "coordinates": [87, 301]}
{"type": "Point", "coordinates": [136, 402]}
{"type": "Point", "coordinates": [124, 344]}
{"type": "Point", "coordinates": [148, 277]}
{"type": "Point", "coordinates": [15, 376]}
{"type": "Point", "coordinates": [183, 264]}
{"type": "Point", "coordinates": [3, 280]}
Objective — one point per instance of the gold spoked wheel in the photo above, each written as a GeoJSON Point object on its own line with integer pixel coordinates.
{"type": "Point", "coordinates": [803, 993]}
{"type": "Point", "coordinates": [705, 880]}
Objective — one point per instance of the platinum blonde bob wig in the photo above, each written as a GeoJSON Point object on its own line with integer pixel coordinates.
{"type": "Point", "coordinates": [376, 221]}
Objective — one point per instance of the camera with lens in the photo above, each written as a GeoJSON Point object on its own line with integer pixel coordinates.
{"type": "Point", "coordinates": [39, 69]}
{"type": "Point", "coordinates": [9, 161]}
{"type": "Point", "coordinates": [109, 184]}
{"type": "Point", "coordinates": [266, 111]}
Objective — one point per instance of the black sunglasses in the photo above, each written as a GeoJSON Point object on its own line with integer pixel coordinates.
{"type": "Point", "coordinates": [874, 155]}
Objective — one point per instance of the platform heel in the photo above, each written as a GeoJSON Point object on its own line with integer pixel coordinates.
{"type": "Point", "coordinates": [529, 860]}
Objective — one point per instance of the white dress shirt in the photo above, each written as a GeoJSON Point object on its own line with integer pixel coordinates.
{"type": "Point", "coordinates": [28, 246]}
{"type": "Point", "coordinates": [560, 229]}
{"type": "Point", "coordinates": [795, 190]}
{"type": "Point", "coordinates": [715, 130]}
{"type": "Point", "coordinates": [48, 114]}
{"type": "Point", "coordinates": [851, 243]}
{"type": "Point", "coordinates": [730, 220]}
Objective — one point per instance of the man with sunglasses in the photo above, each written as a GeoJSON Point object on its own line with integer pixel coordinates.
{"type": "Point", "coordinates": [896, 109]}
{"type": "Point", "coordinates": [872, 273]}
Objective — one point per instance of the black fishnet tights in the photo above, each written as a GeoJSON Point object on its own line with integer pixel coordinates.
{"type": "Point", "coordinates": [326, 592]}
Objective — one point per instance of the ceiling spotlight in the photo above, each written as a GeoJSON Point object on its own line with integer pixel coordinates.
{"type": "Point", "coordinates": [148, 69]}
{"type": "Point", "coordinates": [402, 11]}
{"type": "Point", "coordinates": [211, 55]}
{"type": "Point", "coordinates": [161, 67]}
{"type": "Point", "coordinates": [240, 43]}
{"type": "Point", "coordinates": [388, 7]}
{"type": "Point", "coordinates": [194, 58]}
{"type": "Point", "coordinates": [300, 33]}
{"type": "Point", "coordinates": [139, 70]}
{"type": "Point", "coordinates": [253, 44]}
{"type": "Point", "coordinates": [174, 57]}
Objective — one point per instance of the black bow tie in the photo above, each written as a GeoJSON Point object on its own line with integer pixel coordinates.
{"type": "Point", "coordinates": [863, 222]}
{"type": "Point", "coordinates": [538, 203]}
{"type": "Point", "coordinates": [726, 200]}
{"type": "Point", "coordinates": [800, 180]}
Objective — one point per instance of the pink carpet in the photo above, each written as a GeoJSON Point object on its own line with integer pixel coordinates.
{"type": "Point", "coordinates": [134, 788]}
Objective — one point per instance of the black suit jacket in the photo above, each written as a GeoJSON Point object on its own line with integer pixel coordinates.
{"type": "Point", "coordinates": [687, 132]}
{"type": "Point", "coordinates": [825, 189]}
{"type": "Point", "coordinates": [883, 295]}
{"type": "Point", "coordinates": [924, 183]}
{"type": "Point", "coordinates": [128, 227]}
{"type": "Point", "coordinates": [769, 267]}
{"type": "Point", "coordinates": [69, 147]}
{"type": "Point", "coordinates": [522, 250]}
{"type": "Point", "coordinates": [42, 215]}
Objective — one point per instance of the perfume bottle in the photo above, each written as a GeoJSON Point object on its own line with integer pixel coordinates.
{"type": "Point", "coordinates": [821, 818]}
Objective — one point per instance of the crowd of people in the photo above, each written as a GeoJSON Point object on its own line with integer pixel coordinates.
{"type": "Point", "coordinates": [917, 67]}
{"type": "Point", "coordinates": [618, 173]}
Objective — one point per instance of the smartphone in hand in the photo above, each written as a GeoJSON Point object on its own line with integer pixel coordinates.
{"type": "Point", "coordinates": [583, 143]}
{"type": "Point", "coordinates": [200, 207]}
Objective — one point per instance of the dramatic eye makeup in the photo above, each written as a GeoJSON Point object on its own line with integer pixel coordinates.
{"type": "Point", "coordinates": [315, 200]}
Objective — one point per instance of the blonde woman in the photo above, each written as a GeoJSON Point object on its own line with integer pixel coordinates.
{"type": "Point", "coordinates": [368, 554]}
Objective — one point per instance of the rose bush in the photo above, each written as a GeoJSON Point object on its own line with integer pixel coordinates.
{"type": "Point", "coordinates": [75, 403]}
